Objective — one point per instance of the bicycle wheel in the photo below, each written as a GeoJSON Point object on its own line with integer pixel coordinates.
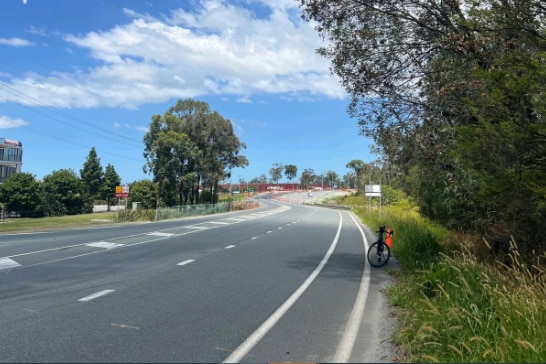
{"type": "Point", "coordinates": [378, 256]}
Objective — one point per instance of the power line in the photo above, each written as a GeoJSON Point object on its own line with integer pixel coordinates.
{"type": "Point", "coordinates": [13, 91]}
{"type": "Point", "coordinates": [80, 145]}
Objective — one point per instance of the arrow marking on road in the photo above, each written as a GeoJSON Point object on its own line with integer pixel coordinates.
{"type": "Point", "coordinates": [7, 263]}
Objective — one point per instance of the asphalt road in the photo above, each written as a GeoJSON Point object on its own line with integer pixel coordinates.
{"type": "Point", "coordinates": [279, 283]}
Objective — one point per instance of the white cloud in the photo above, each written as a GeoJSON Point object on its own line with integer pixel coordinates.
{"type": "Point", "coordinates": [218, 48]}
{"type": "Point", "coordinates": [7, 122]}
{"type": "Point", "coordinates": [15, 42]}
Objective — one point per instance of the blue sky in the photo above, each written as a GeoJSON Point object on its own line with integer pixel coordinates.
{"type": "Point", "coordinates": [91, 73]}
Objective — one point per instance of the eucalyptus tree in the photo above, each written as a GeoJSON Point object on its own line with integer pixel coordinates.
{"type": "Point", "coordinates": [189, 146]}
{"type": "Point", "coordinates": [307, 177]}
{"type": "Point", "coordinates": [261, 179]}
{"type": "Point", "coordinates": [290, 171]}
{"type": "Point", "coordinates": [276, 172]}
{"type": "Point", "coordinates": [357, 166]}
{"type": "Point", "coordinates": [452, 92]}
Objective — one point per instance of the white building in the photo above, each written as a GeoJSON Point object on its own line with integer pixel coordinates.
{"type": "Point", "coordinates": [11, 157]}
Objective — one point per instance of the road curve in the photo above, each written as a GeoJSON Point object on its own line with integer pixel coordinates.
{"type": "Point", "coordinates": [279, 283]}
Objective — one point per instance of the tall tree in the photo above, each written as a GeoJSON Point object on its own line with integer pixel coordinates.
{"type": "Point", "coordinates": [92, 174]}
{"type": "Point", "coordinates": [451, 91]}
{"type": "Point", "coordinates": [110, 181]}
{"type": "Point", "coordinates": [307, 177]}
{"type": "Point", "coordinates": [357, 166]}
{"type": "Point", "coordinates": [276, 172]}
{"type": "Point", "coordinates": [22, 193]}
{"type": "Point", "coordinates": [190, 146]}
{"type": "Point", "coordinates": [290, 171]}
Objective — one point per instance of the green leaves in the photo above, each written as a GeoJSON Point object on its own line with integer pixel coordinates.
{"type": "Point", "coordinates": [190, 146]}
{"type": "Point", "coordinates": [22, 193]}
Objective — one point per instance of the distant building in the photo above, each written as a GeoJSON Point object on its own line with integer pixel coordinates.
{"type": "Point", "coordinates": [11, 157]}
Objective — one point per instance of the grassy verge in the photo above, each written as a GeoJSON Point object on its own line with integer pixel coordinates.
{"type": "Point", "coordinates": [47, 223]}
{"type": "Point", "coordinates": [456, 307]}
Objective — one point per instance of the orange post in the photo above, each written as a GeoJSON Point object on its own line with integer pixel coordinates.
{"type": "Point", "coordinates": [388, 240]}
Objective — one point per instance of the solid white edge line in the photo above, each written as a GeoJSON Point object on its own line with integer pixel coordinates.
{"type": "Point", "coordinates": [346, 345]}
{"type": "Point", "coordinates": [96, 295]}
{"type": "Point", "coordinates": [272, 320]}
{"type": "Point", "coordinates": [186, 262]}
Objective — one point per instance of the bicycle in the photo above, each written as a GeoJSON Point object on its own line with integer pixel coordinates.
{"type": "Point", "coordinates": [379, 252]}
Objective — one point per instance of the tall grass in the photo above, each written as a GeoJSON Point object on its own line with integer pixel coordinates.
{"type": "Point", "coordinates": [456, 306]}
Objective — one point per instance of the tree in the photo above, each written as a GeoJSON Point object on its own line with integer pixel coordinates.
{"type": "Point", "coordinates": [65, 194]}
{"type": "Point", "coordinates": [110, 181]}
{"type": "Point", "coordinates": [357, 166]}
{"type": "Point", "coordinates": [92, 175]}
{"type": "Point", "coordinates": [331, 179]}
{"type": "Point", "coordinates": [261, 179]}
{"type": "Point", "coordinates": [190, 146]}
{"type": "Point", "coordinates": [452, 94]}
{"type": "Point", "coordinates": [290, 171]}
{"type": "Point", "coordinates": [276, 172]}
{"type": "Point", "coordinates": [307, 177]}
{"type": "Point", "coordinates": [22, 193]}
{"type": "Point", "coordinates": [145, 192]}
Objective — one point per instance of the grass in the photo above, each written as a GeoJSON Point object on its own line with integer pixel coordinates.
{"type": "Point", "coordinates": [458, 306]}
{"type": "Point", "coordinates": [56, 222]}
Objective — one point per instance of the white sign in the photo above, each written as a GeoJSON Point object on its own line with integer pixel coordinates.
{"type": "Point", "coordinates": [372, 190]}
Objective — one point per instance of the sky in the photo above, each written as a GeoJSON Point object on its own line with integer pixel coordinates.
{"type": "Point", "coordinates": [91, 73]}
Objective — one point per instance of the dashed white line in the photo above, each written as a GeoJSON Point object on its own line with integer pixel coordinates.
{"type": "Point", "coordinates": [218, 222]}
{"type": "Point", "coordinates": [104, 244]}
{"type": "Point", "coordinates": [269, 232]}
{"type": "Point", "coordinates": [96, 295]}
{"type": "Point", "coordinates": [229, 247]}
{"type": "Point", "coordinates": [186, 262]}
{"type": "Point", "coordinates": [160, 233]}
{"type": "Point", "coordinates": [196, 227]}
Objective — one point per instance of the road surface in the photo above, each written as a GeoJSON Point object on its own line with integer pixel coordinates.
{"type": "Point", "coordinates": [279, 283]}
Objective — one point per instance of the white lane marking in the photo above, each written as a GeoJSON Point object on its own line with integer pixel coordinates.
{"type": "Point", "coordinates": [104, 244]}
{"type": "Point", "coordinates": [234, 219]}
{"type": "Point", "coordinates": [196, 227]}
{"type": "Point", "coordinates": [272, 320]}
{"type": "Point", "coordinates": [229, 247]}
{"type": "Point", "coordinates": [4, 244]}
{"type": "Point", "coordinates": [159, 233]}
{"type": "Point", "coordinates": [7, 263]}
{"type": "Point", "coordinates": [186, 262]}
{"type": "Point", "coordinates": [345, 346]}
{"type": "Point", "coordinates": [279, 228]}
{"type": "Point", "coordinates": [31, 233]}
{"type": "Point", "coordinates": [218, 222]}
{"type": "Point", "coordinates": [269, 232]}
{"type": "Point", "coordinates": [46, 250]}
{"type": "Point", "coordinates": [254, 238]}
{"type": "Point", "coordinates": [96, 295]}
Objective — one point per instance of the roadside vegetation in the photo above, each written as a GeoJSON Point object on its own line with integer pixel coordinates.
{"type": "Point", "coordinates": [457, 300]}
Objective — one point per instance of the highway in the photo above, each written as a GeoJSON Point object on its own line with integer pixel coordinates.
{"type": "Point", "coordinates": [283, 282]}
